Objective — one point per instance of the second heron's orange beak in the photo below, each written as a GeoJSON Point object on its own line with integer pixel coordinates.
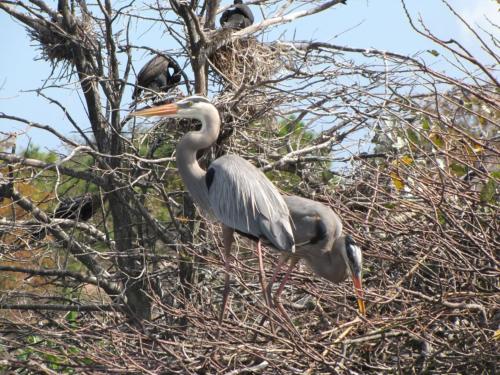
{"type": "Point", "coordinates": [161, 110]}
{"type": "Point", "coordinates": [358, 288]}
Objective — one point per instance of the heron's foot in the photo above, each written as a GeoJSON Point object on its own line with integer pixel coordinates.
{"type": "Point", "coordinates": [269, 294]}
{"type": "Point", "coordinates": [270, 298]}
{"type": "Point", "coordinates": [225, 297]}
{"type": "Point", "coordinates": [285, 315]}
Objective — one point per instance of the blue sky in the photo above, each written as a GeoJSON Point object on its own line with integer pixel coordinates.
{"type": "Point", "coordinates": [377, 24]}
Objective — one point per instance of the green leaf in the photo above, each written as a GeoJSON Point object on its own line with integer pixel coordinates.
{"type": "Point", "coordinates": [34, 339]}
{"type": "Point", "coordinates": [73, 350]}
{"type": "Point", "coordinates": [51, 157]}
{"type": "Point", "coordinates": [458, 169]}
{"type": "Point", "coordinates": [437, 140]}
{"type": "Point", "coordinates": [71, 316]}
{"type": "Point", "coordinates": [24, 355]}
{"type": "Point", "coordinates": [441, 218]}
{"type": "Point", "coordinates": [52, 359]}
{"type": "Point", "coordinates": [412, 136]}
{"type": "Point", "coordinates": [88, 361]}
{"type": "Point", "coordinates": [496, 174]}
{"type": "Point", "coordinates": [54, 362]}
{"type": "Point", "coordinates": [488, 191]}
{"type": "Point", "coordinates": [426, 125]}
{"type": "Point", "coordinates": [433, 52]}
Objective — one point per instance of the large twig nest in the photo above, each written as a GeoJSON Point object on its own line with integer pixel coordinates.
{"type": "Point", "coordinates": [58, 45]}
{"type": "Point", "coordinates": [245, 61]}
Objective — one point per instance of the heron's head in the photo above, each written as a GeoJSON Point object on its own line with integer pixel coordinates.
{"type": "Point", "coordinates": [190, 107]}
{"type": "Point", "coordinates": [354, 260]}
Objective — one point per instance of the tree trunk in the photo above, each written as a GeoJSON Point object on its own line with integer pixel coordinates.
{"type": "Point", "coordinates": [131, 268]}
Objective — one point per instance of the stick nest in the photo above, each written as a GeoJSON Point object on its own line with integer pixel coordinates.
{"type": "Point", "coordinates": [245, 61]}
{"type": "Point", "coordinates": [58, 45]}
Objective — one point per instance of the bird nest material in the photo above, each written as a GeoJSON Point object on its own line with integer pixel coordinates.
{"type": "Point", "coordinates": [245, 61]}
{"type": "Point", "coordinates": [250, 107]}
{"type": "Point", "coordinates": [56, 44]}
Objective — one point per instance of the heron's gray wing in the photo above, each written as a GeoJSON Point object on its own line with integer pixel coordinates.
{"type": "Point", "coordinates": [243, 198]}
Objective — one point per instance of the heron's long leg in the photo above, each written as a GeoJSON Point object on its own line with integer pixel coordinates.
{"type": "Point", "coordinates": [277, 303]}
{"type": "Point", "coordinates": [262, 274]}
{"type": "Point", "coordinates": [227, 241]}
{"type": "Point", "coordinates": [283, 259]}
{"type": "Point", "coordinates": [276, 298]}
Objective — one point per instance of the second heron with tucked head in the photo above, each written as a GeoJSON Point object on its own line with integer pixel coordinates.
{"type": "Point", "coordinates": [320, 241]}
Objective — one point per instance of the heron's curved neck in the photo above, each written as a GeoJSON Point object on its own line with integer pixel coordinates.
{"type": "Point", "coordinates": [331, 264]}
{"type": "Point", "coordinates": [187, 164]}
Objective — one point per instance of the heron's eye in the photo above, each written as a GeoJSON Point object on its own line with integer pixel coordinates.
{"type": "Point", "coordinates": [189, 104]}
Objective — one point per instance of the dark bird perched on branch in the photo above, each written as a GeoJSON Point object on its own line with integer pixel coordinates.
{"type": "Point", "coordinates": [237, 17]}
{"type": "Point", "coordinates": [161, 74]}
{"type": "Point", "coordinates": [80, 208]}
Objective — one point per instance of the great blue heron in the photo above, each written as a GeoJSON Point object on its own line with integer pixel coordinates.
{"type": "Point", "coordinates": [232, 190]}
{"type": "Point", "coordinates": [160, 74]}
{"type": "Point", "coordinates": [237, 17]}
{"type": "Point", "coordinates": [319, 241]}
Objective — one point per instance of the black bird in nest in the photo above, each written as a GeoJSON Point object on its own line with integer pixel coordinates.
{"type": "Point", "coordinates": [160, 74]}
{"type": "Point", "coordinates": [237, 17]}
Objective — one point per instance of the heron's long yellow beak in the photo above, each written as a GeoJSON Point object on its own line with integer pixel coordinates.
{"type": "Point", "coordinates": [358, 288]}
{"type": "Point", "coordinates": [161, 110]}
